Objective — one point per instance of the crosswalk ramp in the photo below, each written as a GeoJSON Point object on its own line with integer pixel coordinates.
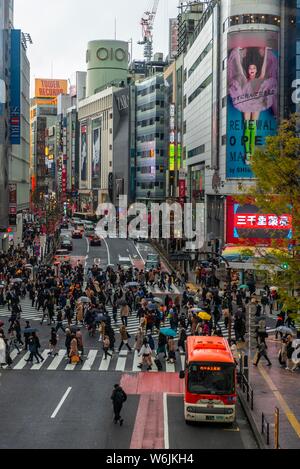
{"type": "Point", "coordinates": [94, 361]}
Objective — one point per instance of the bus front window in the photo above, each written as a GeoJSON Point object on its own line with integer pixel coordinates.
{"type": "Point", "coordinates": [215, 379]}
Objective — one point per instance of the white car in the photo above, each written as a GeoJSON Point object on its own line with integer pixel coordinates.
{"type": "Point", "coordinates": [125, 262]}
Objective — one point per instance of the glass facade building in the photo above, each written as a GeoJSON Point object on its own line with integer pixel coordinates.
{"type": "Point", "coordinates": [151, 141]}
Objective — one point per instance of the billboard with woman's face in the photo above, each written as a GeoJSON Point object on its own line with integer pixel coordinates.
{"type": "Point", "coordinates": [252, 106]}
{"type": "Point", "coordinates": [83, 152]}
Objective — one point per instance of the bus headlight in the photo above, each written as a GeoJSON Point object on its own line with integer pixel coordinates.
{"type": "Point", "coordinates": [228, 411]}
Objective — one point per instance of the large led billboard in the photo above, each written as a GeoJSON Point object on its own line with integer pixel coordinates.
{"type": "Point", "coordinates": [246, 224]}
{"type": "Point", "coordinates": [252, 103]}
{"type": "Point", "coordinates": [83, 152]}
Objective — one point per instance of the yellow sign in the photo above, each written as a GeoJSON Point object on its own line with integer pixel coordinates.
{"type": "Point", "coordinates": [45, 88]}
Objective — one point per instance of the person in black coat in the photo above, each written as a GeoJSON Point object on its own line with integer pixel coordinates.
{"type": "Point", "coordinates": [118, 397]}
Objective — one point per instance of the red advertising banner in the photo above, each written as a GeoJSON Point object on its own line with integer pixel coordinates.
{"type": "Point", "coordinates": [262, 221]}
{"type": "Point", "coordinates": [246, 225]}
{"type": "Point", "coordinates": [64, 180]}
{"type": "Point", "coordinates": [181, 185]}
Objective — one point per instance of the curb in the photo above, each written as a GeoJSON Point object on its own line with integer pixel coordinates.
{"type": "Point", "coordinates": [257, 435]}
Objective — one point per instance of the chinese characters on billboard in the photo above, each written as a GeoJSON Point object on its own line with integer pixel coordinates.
{"type": "Point", "coordinates": [252, 108]}
{"type": "Point", "coordinates": [247, 225]}
{"type": "Point", "coordinates": [83, 152]}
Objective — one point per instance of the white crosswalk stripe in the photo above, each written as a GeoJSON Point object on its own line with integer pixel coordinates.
{"type": "Point", "coordinates": [90, 360]}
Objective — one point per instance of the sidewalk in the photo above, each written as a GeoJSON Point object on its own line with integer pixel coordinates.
{"type": "Point", "coordinates": [276, 387]}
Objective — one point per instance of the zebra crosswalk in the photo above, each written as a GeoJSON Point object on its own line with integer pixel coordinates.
{"type": "Point", "coordinates": [94, 361]}
{"type": "Point", "coordinates": [31, 314]}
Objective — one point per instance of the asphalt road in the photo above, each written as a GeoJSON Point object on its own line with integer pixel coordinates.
{"type": "Point", "coordinates": [85, 419]}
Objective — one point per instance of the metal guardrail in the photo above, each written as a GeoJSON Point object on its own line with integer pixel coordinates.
{"type": "Point", "coordinates": [265, 427]}
{"type": "Point", "coordinates": [246, 388]}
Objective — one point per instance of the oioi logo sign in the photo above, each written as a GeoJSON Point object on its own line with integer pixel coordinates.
{"type": "Point", "coordinates": [118, 54]}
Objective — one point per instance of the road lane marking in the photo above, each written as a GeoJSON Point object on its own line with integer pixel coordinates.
{"type": "Point", "coordinates": [13, 355]}
{"type": "Point", "coordinates": [108, 253]}
{"type": "Point", "coordinates": [88, 244]}
{"type": "Point", "coordinates": [38, 366]}
{"type": "Point", "coordinates": [289, 414]}
{"type": "Point", "coordinates": [170, 367]}
{"type": "Point", "coordinates": [182, 361]}
{"type": "Point", "coordinates": [121, 363]}
{"type": "Point", "coordinates": [104, 365]}
{"type": "Point", "coordinates": [22, 363]}
{"type": "Point", "coordinates": [57, 360]}
{"type": "Point", "coordinates": [90, 360]}
{"type": "Point", "coordinates": [166, 423]}
{"type": "Point", "coordinates": [138, 251]}
{"type": "Point", "coordinates": [136, 362]}
{"type": "Point", "coordinates": [61, 403]}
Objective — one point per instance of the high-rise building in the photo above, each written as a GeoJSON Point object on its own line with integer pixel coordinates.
{"type": "Point", "coordinates": [233, 70]}
{"type": "Point", "coordinates": [151, 141]}
{"type": "Point", "coordinates": [6, 22]}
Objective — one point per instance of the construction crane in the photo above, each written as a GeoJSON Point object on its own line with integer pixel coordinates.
{"type": "Point", "coordinates": [147, 23]}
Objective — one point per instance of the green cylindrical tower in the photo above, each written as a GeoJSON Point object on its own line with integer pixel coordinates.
{"type": "Point", "coordinates": [107, 63]}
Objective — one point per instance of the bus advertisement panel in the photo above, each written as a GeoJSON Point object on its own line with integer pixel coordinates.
{"type": "Point", "coordinates": [210, 381]}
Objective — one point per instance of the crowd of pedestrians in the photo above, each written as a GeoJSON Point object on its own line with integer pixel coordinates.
{"type": "Point", "coordinates": [66, 296]}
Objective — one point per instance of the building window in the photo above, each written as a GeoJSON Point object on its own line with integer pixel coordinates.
{"type": "Point", "coordinates": [200, 88]}
{"type": "Point", "coordinates": [224, 64]}
{"type": "Point", "coordinates": [200, 58]}
{"type": "Point", "coordinates": [184, 101]}
{"type": "Point", "coordinates": [224, 138]}
{"type": "Point", "coordinates": [110, 147]}
{"type": "Point", "coordinates": [224, 101]}
{"type": "Point", "coordinates": [252, 18]}
{"type": "Point", "coordinates": [184, 127]}
{"type": "Point", "coordinates": [196, 151]}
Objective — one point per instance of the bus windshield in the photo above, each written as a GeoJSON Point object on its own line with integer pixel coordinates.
{"type": "Point", "coordinates": [211, 378]}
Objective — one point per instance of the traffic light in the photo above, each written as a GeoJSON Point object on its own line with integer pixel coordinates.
{"type": "Point", "coordinates": [285, 266]}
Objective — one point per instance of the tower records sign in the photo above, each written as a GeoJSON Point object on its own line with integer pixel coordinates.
{"type": "Point", "coordinates": [104, 54]}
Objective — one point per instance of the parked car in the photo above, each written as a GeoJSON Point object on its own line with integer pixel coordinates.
{"type": "Point", "coordinates": [77, 234]}
{"type": "Point", "coordinates": [95, 241]}
{"type": "Point", "coordinates": [66, 243]}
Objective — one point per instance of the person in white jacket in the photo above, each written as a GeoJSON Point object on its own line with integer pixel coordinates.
{"type": "Point", "coordinates": [146, 354]}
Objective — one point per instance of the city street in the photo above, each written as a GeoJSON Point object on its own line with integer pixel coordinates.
{"type": "Point", "coordinates": [85, 418]}
{"type": "Point", "coordinates": [178, 123]}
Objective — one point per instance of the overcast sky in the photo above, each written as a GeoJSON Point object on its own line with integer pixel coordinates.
{"type": "Point", "coordinates": [61, 29]}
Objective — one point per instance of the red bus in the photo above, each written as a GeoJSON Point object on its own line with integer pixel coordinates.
{"type": "Point", "coordinates": [210, 381]}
